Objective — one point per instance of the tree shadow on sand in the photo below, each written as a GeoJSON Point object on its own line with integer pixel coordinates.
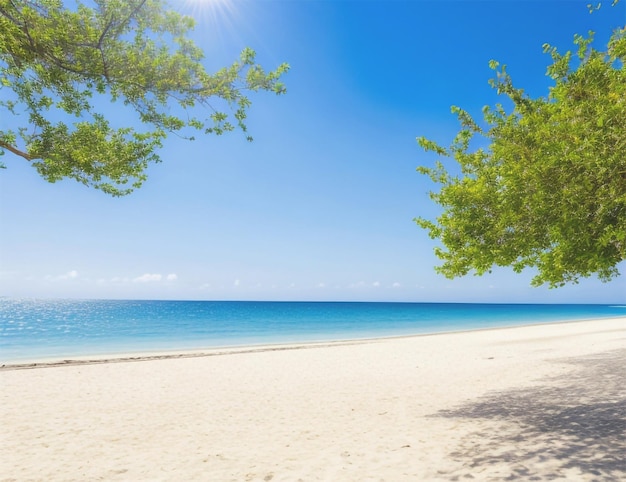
{"type": "Point", "coordinates": [573, 427]}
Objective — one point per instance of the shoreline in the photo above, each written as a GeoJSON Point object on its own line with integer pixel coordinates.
{"type": "Point", "coordinates": [144, 356]}
{"type": "Point", "coordinates": [535, 402]}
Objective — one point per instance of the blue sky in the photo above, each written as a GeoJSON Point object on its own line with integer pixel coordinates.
{"type": "Point", "coordinates": [320, 205]}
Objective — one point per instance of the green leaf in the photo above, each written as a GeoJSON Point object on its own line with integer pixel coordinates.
{"type": "Point", "coordinates": [547, 190]}
{"type": "Point", "coordinates": [60, 63]}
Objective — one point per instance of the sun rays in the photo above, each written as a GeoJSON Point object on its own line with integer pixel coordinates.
{"type": "Point", "coordinates": [215, 13]}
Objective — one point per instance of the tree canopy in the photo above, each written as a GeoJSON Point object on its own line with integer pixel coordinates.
{"type": "Point", "coordinates": [57, 64]}
{"type": "Point", "coordinates": [548, 188]}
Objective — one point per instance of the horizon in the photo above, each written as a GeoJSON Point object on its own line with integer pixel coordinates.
{"type": "Point", "coordinates": [617, 305]}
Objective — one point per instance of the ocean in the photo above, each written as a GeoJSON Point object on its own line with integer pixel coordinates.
{"type": "Point", "coordinates": [34, 330]}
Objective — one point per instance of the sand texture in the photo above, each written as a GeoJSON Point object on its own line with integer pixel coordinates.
{"type": "Point", "coordinates": [530, 403]}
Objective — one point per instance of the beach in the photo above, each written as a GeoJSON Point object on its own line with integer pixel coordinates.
{"type": "Point", "coordinates": [540, 402]}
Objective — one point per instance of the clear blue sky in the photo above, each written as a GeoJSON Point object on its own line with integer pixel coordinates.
{"type": "Point", "coordinates": [320, 205]}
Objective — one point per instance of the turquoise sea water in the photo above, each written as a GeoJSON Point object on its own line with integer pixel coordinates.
{"type": "Point", "coordinates": [60, 329]}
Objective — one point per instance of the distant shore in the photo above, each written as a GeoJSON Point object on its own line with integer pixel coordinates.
{"type": "Point", "coordinates": [541, 401]}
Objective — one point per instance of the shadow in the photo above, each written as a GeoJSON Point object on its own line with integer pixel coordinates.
{"type": "Point", "coordinates": [573, 427]}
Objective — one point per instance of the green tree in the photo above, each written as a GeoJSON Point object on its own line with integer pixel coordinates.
{"type": "Point", "coordinates": [57, 64]}
{"type": "Point", "coordinates": [548, 190]}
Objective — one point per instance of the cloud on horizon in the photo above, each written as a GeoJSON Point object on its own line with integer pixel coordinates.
{"type": "Point", "coordinates": [69, 275]}
{"type": "Point", "coordinates": [154, 277]}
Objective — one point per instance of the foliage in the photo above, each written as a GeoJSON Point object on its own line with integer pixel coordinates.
{"type": "Point", "coordinates": [549, 189]}
{"type": "Point", "coordinates": [57, 64]}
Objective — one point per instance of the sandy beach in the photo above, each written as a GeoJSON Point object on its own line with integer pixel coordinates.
{"type": "Point", "coordinates": [529, 403]}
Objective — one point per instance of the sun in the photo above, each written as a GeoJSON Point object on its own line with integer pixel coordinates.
{"type": "Point", "coordinates": [210, 10]}
{"type": "Point", "coordinates": [220, 17]}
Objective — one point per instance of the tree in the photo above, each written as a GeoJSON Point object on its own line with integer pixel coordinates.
{"type": "Point", "coordinates": [549, 189]}
{"type": "Point", "coordinates": [57, 64]}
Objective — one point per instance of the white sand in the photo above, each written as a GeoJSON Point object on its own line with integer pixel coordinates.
{"type": "Point", "coordinates": [530, 403]}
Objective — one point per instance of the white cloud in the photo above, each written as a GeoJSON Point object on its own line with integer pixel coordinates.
{"type": "Point", "coordinates": [145, 278]}
{"type": "Point", "coordinates": [376, 284]}
{"type": "Point", "coordinates": [360, 284]}
{"type": "Point", "coordinates": [396, 285]}
{"type": "Point", "coordinates": [148, 277]}
{"type": "Point", "coordinates": [205, 286]}
{"type": "Point", "coordinates": [69, 275]}
{"type": "Point", "coordinates": [321, 285]}
{"type": "Point", "coordinates": [237, 282]}
{"type": "Point", "coordinates": [117, 279]}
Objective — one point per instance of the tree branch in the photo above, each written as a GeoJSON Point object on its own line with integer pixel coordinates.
{"type": "Point", "coordinates": [110, 23]}
{"type": "Point", "coordinates": [17, 152]}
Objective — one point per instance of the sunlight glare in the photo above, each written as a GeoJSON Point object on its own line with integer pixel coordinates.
{"type": "Point", "coordinates": [218, 24]}
{"type": "Point", "coordinates": [212, 12]}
